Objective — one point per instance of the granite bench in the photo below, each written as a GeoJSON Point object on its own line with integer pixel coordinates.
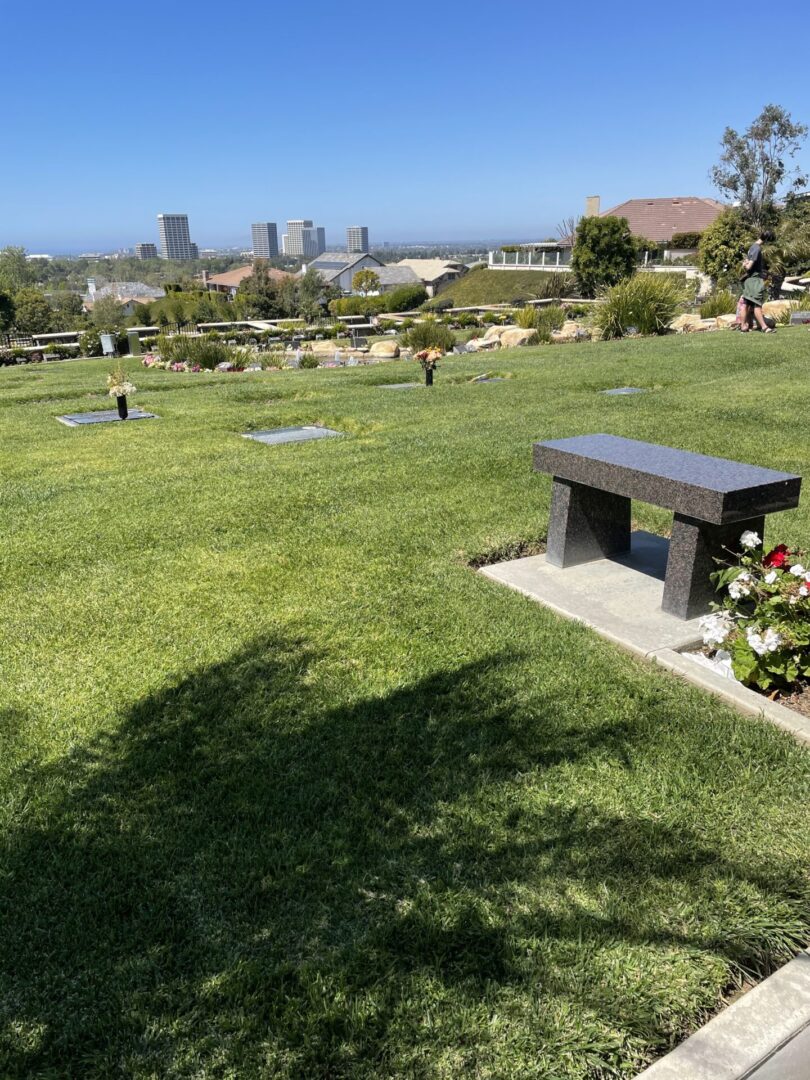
{"type": "Point", "coordinates": [714, 501]}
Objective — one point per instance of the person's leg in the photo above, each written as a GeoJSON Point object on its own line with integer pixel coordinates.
{"type": "Point", "coordinates": [760, 318]}
{"type": "Point", "coordinates": [745, 324]}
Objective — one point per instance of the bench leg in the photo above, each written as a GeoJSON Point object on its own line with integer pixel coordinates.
{"type": "Point", "coordinates": [585, 524]}
{"type": "Point", "coordinates": [688, 590]}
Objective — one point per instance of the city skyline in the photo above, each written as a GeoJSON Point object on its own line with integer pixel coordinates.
{"type": "Point", "coordinates": [528, 140]}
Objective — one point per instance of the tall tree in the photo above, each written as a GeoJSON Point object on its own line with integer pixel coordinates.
{"type": "Point", "coordinates": [108, 313]}
{"type": "Point", "coordinates": [756, 166]}
{"type": "Point", "coordinates": [6, 311]}
{"type": "Point", "coordinates": [257, 296]}
{"type": "Point", "coordinates": [33, 314]}
{"type": "Point", "coordinates": [15, 270]}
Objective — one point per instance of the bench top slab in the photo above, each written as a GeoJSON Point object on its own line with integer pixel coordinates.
{"type": "Point", "coordinates": [709, 489]}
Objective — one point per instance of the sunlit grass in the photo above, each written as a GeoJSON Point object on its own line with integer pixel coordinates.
{"type": "Point", "coordinates": [289, 790]}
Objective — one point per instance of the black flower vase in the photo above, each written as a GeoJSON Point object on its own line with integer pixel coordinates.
{"type": "Point", "coordinates": [429, 376]}
{"type": "Point", "coordinates": [121, 402]}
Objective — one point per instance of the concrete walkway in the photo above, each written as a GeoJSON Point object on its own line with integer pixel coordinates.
{"type": "Point", "coordinates": [764, 1035]}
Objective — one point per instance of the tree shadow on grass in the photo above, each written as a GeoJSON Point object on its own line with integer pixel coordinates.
{"type": "Point", "coordinates": [247, 878]}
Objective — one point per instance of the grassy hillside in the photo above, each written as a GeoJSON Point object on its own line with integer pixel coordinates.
{"type": "Point", "coordinates": [287, 790]}
{"type": "Point", "coordinates": [503, 286]}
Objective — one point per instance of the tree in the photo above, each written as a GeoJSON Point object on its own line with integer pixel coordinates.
{"type": "Point", "coordinates": [313, 294]}
{"type": "Point", "coordinates": [365, 282]}
{"type": "Point", "coordinates": [604, 253]}
{"type": "Point", "coordinates": [108, 314]}
{"type": "Point", "coordinates": [258, 296]}
{"type": "Point", "coordinates": [15, 270]}
{"type": "Point", "coordinates": [793, 234]}
{"type": "Point", "coordinates": [67, 311]}
{"type": "Point", "coordinates": [6, 312]}
{"type": "Point", "coordinates": [756, 164]}
{"type": "Point", "coordinates": [33, 313]}
{"type": "Point", "coordinates": [723, 246]}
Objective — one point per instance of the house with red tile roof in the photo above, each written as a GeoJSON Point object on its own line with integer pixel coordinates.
{"type": "Point", "coordinates": [660, 219]}
{"type": "Point", "coordinates": [230, 281]}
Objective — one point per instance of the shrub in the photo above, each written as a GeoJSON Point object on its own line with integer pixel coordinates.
{"type": "Point", "coordinates": [763, 624]}
{"type": "Point", "coordinates": [685, 241]}
{"type": "Point", "coordinates": [723, 246]}
{"type": "Point", "coordinates": [646, 302]}
{"type": "Point", "coordinates": [604, 253]}
{"type": "Point", "coordinates": [721, 302]}
{"type": "Point", "coordinates": [90, 343]}
{"type": "Point", "coordinates": [309, 360]}
{"type": "Point", "coordinates": [405, 298]}
{"type": "Point", "coordinates": [429, 335]}
{"type": "Point", "coordinates": [578, 311]}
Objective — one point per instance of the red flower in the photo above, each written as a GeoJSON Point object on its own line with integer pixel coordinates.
{"type": "Point", "coordinates": [776, 558]}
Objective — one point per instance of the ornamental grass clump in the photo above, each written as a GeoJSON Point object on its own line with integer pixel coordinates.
{"type": "Point", "coordinates": [204, 352]}
{"type": "Point", "coordinates": [645, 304]}
{"type": "Point", "coordinates": [429, 334]}
{"type": "Point", "coordinates": [762, 625]}
{"type": "Point", "coordinates": [721, 302]}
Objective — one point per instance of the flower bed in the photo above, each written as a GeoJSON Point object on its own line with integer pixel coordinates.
{"type": "Point", "coordinates": [760, 630]}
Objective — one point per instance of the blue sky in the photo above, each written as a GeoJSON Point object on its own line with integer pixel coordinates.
{"type": "Point", "coordinates": [443, 120]}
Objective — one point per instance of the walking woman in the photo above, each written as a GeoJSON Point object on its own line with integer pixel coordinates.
{"type": "Point", "coordinates": [754, 284]}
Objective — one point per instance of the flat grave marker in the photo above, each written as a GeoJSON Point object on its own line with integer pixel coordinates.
{"type": "Point", "coordinates": [277, 436]}
{"type": "Point", "coordinates": [105, 416]}
{"type": "Point", "coordinates": [621, 390]}
{"type": "Point", "coordinates": [400, 385]}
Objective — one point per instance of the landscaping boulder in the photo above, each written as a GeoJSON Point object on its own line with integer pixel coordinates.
{"type": "Point", "coordinates": [776, 308]}
{"type": "Point", "coordinates": [323, 347]}
{"type": "Point", "coordinates": [481, 344]}
{"type": "Point", "coordinates": [513, 337]}
{"type": "Point", "coordinates": [496, 331]}
{"type": "Point", "coordinates": [684, 322]}
{"type": "Point", "coordinates": [702, 326]}
{"type": "Point", "coordinates": [726, 322]}
{"type": "Point", "coordinates": [570, 331]}
{"type": "Point", "coordinates": [385, 348]}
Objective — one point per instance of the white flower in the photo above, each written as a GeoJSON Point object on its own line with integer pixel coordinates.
{"type": "Point", "coordinates": [716, 627]}
{"type": "Point", "coordinates": [739, 587]}
{"type": "Point", "coordinates": [761, 644]}
{"type": "Point", "coordinates": [804, 590]}
{"type": "Point", "coordinates": [750, 539]}
{"type": "Point", "coordinates": [798, 570]}
{"type": "Point", "coordinates": [121, 389]}
{"type": "Point", "coordinates": [771, 577]}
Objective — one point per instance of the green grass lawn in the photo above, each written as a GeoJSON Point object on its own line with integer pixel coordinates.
{"type": "Point", "coordinates": [484, 286]}
{"type": "Point", "coordinates": [288, 790]}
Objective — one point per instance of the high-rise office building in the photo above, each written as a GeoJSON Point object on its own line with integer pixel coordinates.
{"type": "Point", "coordinates": [146, 251]}
{"type": "Point", "coordinates": [357, 238]}
{"type": "Point", "coordinates": [175, 242]}
{"type": "Point", "coordinates": [303, 239]}
{"type": "Point", "coordinates": [265, 240]}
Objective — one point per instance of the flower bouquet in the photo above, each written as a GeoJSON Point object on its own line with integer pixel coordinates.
{"type": "Point", "coordinates": [428, 358]}
{"type": "Point", "coordinates": [762, 626]}
{"type": "Point", "coordinates": [118, 386]}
